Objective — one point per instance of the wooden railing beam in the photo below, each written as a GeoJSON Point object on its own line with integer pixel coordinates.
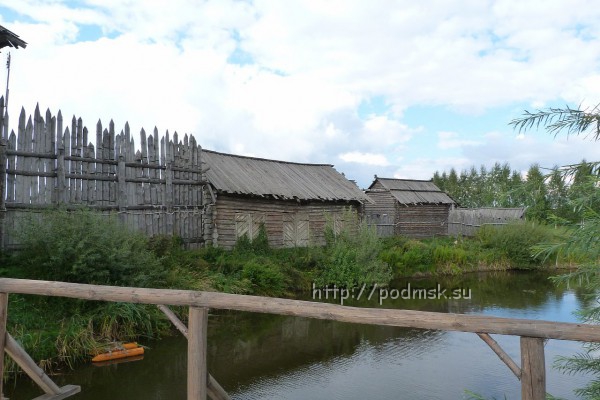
{"type": "Point", "coordinates": [334, 312]}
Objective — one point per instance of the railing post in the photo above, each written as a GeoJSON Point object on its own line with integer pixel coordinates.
{"type": "Point", "coordinates": [533, 369]}
{"type": "Point", "coordinates": [197, 368]}
{"type": "Point", "coordinates": [3, 315]}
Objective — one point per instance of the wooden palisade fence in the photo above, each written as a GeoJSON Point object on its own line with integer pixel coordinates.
{"type": "Point", "coordinates": [467, 221]}
{"type": "Point", "coordinates": [200, 385]}
{"type": "Point", "coordinates": [158, 189]}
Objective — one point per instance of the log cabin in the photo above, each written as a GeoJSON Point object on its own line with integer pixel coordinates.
{"type": "Point", "coordinates": [294, 201]}
{"type": "Point", "coordinates": [412, 208]}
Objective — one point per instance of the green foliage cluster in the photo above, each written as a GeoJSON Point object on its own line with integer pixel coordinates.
{"type": "Point", "coordinates": [407, 257]}
{"type": "Point", "coordinates": [437, 256]}
{"type": "Point", "coordinates": [252, 267]}
{"type": "Point", "coordinates": [83, 247]}
{"type": "Point", "coordinates": [516, 240]}
{"type": "Point", "coordinates": [546, 196]}
{"type": "Point", "coordinates": [351, 258]}
{"type": "Point", "coordinates": [581, 219]}
{"type": "Point", "coordinates": [86, 247]}
{"type": "Point", "coordinates": [493, 248]}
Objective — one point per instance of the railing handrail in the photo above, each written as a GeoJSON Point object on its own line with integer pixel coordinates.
{"type": "Point", "coordinates": [309, 309]}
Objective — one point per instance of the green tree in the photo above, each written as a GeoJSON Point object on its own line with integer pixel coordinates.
{"type": "Point", "coordinates": [536, 199]}
{"type": "Point", "coordinates": [438, 180]}
{"type": "Point", "coordinates": [558, 199]}
{"type": "Point", "coordinates": [516, 194]}
{"type": "Point", "coordinates": [584, 240]}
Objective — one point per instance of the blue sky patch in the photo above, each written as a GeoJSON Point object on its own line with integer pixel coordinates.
{"type": "Point", "coordinates": [375, 105]}
{"type": "Point", "coordinates": [90, 33]}
{"type": "Point", "coordinates": [240, 57]}
{"type": "Point", "coordinates": [10, 15]}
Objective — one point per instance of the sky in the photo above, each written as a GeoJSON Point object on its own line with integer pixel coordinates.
{"type": "Point", "coordinates": [389, 88]}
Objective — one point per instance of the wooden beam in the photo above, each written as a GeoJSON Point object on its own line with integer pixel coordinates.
{"type": "Point", "coordinates": [29, 366]}
{"type": "Point", "coordinates": [533, 369]}
{"type": "Point", "coordinates": [173, 318]}
{"type": "Point", "coordinates": [3, 315]}
{"type": "Point", "coordinates": [196, 365]}
{"type": "Point", "coordinates": [501, 353]}
{"type": "Point", "coordinates": [65, 391]}
{"type": "Point", "coordinates": [215, 390]}
{"type": "Point", "coordinates": [308, 309]}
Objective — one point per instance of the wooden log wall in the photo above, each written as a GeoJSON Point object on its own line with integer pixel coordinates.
{"type": "Point", "coordinates": [50, 162]}
{"type": "Point", "coordinates": [382, 213]}
{"type": "Point", "coordinates": [414, 220]}
{"type": "Point", "coordinates": [422, 220]}
{"type": "Point", "coordinates": [288, 223]}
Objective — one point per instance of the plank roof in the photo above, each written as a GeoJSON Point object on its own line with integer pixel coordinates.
{"type": "Point", "coordinates": [10, 39]}
{"type": "Point", "coordinates": [411, 191]}
{"type": "Point", "coordinates": [261, 177]}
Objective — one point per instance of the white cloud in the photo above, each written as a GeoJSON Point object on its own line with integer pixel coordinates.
{"type": "Point", "coordinates": [424, 167]}
{"type": "Point", "coordinates": [365, 158]}
{"type": "Point", "coordinates": [309, 66]}
{"type": "Point", "coordinates": [451, 140]}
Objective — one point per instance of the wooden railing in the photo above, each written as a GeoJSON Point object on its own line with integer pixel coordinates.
{"type": "Point", "coordinates": [200, 384]}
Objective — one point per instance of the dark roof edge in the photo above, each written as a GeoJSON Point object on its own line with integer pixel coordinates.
{"type": "Point", "coordinates": [377, 178]}
{"type": "Point", "coordinates": [266, 159]}
{"type": "Point", "coordinates": [291, 199]}
{"type": "Point", "coordinates": [409, 180]}
{"type": "Point", "coordinates": [12, 38]}
{"type": "Point", "coordinates": [418, 190]}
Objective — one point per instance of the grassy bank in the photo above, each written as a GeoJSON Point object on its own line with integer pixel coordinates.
{"type": "Point", "coordinates": [491, 249]}
{"type": "Point", "coordinates": [88, 248]}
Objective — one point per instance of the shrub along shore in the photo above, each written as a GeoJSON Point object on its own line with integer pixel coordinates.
{"type": "Point", "coordinates": [86, 247]}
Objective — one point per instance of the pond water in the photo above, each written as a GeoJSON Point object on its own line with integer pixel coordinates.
{"type": "Point", "coordinates": [257, 356]}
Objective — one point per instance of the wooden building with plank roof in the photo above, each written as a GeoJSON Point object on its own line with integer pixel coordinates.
{"type": "Point", "coordinates": [294, 201]}
{"type": "Point", "coordinates": [413, 208]}
{"type": "Point", "coordinates": [10, 39]}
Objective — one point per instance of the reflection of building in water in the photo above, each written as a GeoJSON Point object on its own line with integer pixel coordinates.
{"type": "Point", "coordinates": [263, 345]}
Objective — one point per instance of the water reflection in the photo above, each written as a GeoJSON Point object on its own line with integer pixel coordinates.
{"type": "Point", "coordinates": [257, 356]}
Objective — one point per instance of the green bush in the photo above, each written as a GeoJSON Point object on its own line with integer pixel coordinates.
{"type": "Point", "coordinates": [258, 245]}
{"type": "Point", "coordinates": [352, 258]}
{"type": "Point", "coordinates": [264, 275]}
{"type": "Point", "coordinates": [516, 241]}
{"type": "Point", "coordinates": [86, 247]}
{"type": "Point", "coordinates": [410, 257]}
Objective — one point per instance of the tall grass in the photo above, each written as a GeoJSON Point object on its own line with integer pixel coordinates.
{"type": "Point", "coordinates": [83, 247]}
{"type": "Point", "coordinates": [351, 257]}
{"type": "Point", "coordinates": [493, 248]}
{"type": "Point", "coordinates": [86, 247]}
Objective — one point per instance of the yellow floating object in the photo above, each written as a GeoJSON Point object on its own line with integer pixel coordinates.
{"type": "Point", "coordinates": [116, 354]}
{"type": "Point", "coordinates": [118, 361]}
